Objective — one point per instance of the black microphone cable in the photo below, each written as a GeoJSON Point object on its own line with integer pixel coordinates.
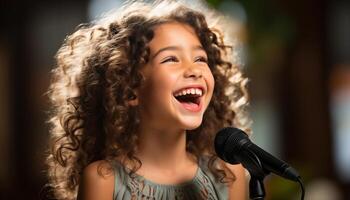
{"type": "Point", "coordinates": [302, 188]}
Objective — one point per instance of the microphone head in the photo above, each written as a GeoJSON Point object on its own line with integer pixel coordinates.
{"type": "Point", "coordinates": [227, 142]}
{"type": "Point", "coordinates": [233, 146]}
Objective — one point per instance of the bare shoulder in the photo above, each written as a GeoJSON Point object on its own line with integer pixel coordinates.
{"type": "Point", "coordinates": [97, 181]}
{"type": "Point", "coordinates": [238, 189]}
{"type": "Point", "coordinates": [99, 170]}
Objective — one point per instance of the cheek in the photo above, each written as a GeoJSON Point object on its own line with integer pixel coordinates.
{"type": "Point", "coordinates": [162, 83]}
{"type": "Point", "coordinates": [210, 81]}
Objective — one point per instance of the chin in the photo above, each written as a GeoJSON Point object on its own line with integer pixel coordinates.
{"type": "Point", "coordinates": [191, 124]}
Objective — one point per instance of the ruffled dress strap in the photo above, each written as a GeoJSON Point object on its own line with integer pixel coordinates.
{"type": "Point", "coordinates": [220, 189]}
{"type": "Point", "coordinates": [121, 190]}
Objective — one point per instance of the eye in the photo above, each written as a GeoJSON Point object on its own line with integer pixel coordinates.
{"type": "Point", "coordinates": [201, 59]}
{"type": "Point", "coordinates": [170, 59]}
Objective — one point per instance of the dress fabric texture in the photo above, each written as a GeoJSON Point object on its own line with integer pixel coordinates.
{"type": "Point", "coordinates": [202, 187]}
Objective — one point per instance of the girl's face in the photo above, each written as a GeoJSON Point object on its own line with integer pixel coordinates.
{"type": "Point", "coordinates": [178, 82]}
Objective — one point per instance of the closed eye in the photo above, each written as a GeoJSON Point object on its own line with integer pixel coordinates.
{"type": "Point", "coordinates": [201, 59]}
{"type": "Point", "coordinates": [170, 59]}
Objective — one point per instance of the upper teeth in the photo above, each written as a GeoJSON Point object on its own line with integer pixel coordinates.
{"type": "Point", "coordinates": [189, 91]}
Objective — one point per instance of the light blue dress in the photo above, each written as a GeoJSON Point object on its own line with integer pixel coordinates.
{"type": "Point", "coordinates": [202, 186]}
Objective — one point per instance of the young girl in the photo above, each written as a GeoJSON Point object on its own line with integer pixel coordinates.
{"type": "Point", "coordinates": [138, 97]}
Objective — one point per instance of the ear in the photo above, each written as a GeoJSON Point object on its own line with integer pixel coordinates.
{"type": "Point", "coordinates": [134, 102]}
{"type": "Point", "coordinates": [135, 99]}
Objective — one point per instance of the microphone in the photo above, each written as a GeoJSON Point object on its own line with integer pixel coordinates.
{"type": "Point", "coordinates": [233, 146]}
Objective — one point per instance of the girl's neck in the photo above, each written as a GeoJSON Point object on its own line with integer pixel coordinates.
{"type": "Point", "coordinates": [163, 149]}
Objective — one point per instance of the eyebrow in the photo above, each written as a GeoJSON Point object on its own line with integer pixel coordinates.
{"type": "Point", "coordinates": [175, 48]}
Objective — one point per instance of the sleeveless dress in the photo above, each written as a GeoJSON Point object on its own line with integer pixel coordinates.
{"type": "Point", "coordinates": [202, 187]}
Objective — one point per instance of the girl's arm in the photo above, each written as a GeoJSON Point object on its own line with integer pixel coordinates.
{"type": "Point", "coordinates": [238, 190]}
{"type": "Point", "coordinates": [97, 182]}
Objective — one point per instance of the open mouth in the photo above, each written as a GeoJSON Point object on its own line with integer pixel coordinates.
{"type": "Point", "coordinates": [189, 96]}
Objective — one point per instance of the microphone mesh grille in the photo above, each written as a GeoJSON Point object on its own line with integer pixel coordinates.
{"type": "Point", "coordinates": [227, 141]}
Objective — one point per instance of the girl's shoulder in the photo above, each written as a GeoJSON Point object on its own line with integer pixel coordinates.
{"type": "Point", "coordinates": [97, 181]}
{"type": "Point", "coordinates": [238, 190]}
{"type": "Point", "coordinates": [99, 169]}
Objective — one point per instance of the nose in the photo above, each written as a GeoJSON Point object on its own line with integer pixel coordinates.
{"type": "Point", "coordinates": [193, 72]}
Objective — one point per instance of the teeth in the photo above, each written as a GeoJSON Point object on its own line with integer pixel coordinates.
{"type": "Point", "coordinates": [189, 91]}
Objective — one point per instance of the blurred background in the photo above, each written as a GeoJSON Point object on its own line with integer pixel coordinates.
{"type": "Point", "coordinates": [296, 54]}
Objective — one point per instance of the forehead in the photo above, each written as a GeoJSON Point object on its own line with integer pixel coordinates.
{"type": "Point", "coordinates": [173, 33]}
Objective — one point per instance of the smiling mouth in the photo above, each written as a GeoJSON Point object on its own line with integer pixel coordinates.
{"type": "Point", "coordinates": [189, 96]}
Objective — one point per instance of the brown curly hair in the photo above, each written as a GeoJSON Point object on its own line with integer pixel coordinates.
{"type": "Point", "coordinates": [97, 73]}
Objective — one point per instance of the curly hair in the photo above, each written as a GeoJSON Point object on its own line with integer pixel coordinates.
{"type": "Point", "coordinates": [97, 72]}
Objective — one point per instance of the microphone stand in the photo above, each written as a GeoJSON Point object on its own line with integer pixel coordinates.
{"type": "Point", "coordinates": [256, 188]}
{"type": "Point", "coordinates": [257, 175]}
